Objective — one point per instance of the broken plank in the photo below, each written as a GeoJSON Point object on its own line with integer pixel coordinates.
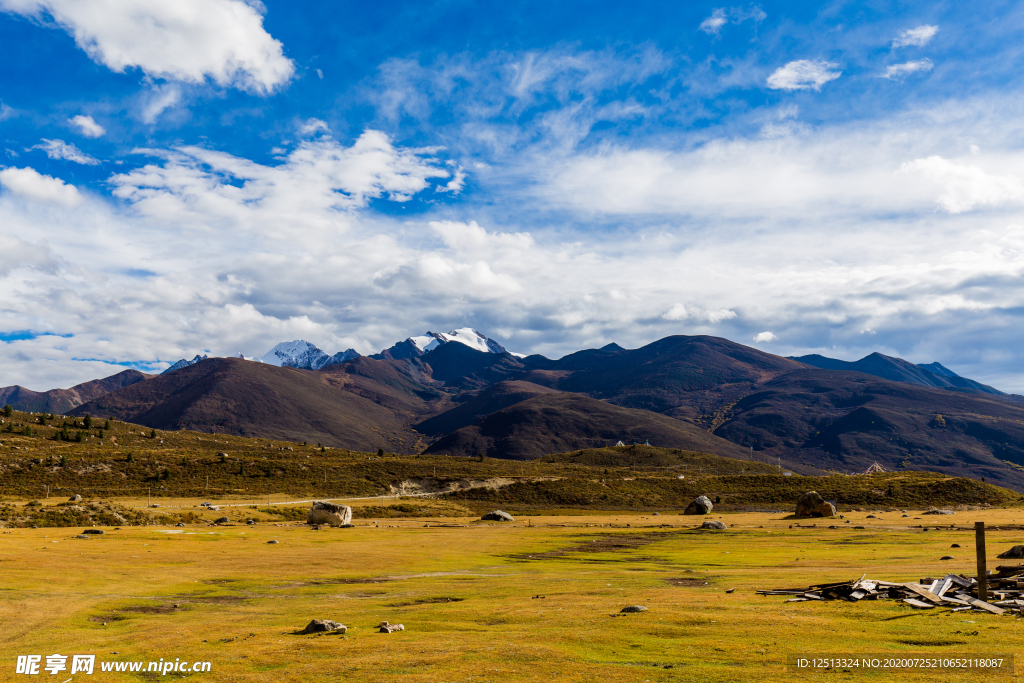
{"type": "Point", "coordinates": [926, 594]}
{"type": "Point", "coordinates": [975, 602]}
{"type": "Point", "coordinates": [918, 603]}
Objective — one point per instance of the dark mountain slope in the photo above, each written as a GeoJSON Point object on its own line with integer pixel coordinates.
{"type": "Point", "coordinates": [490, 400]}
{"type": "Point", "coordinates": [899, 370]}
{"type": "Point", "coordinates": [240, 397]}
{"type": "Point", "coordinates": [846, 421]}
{"type": "Point", "coordinates": [457, 365]}
{"type": "Point", "coordinates": [61, 401]}
{"type": "Point", "coordinates": [555, 423]}
{"type": "Point", "coordinates": [702, 372]}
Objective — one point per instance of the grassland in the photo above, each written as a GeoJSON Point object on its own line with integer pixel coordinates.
{"type": "Point", "coordinates": [467, 593]}
{"type": "Point", "coordinates": [530, 600]}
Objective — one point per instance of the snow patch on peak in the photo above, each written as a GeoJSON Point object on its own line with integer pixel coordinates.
{"type": "Point", "coordinates": [305, 356]}
{"type": "Point", "coordinates": [183, 363]}
{"type": "Point", "coordinates": [417, 346]}
{"type": "Point", "coordinates": [472, 339]}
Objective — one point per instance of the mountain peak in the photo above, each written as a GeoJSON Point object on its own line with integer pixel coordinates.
{"type": "Point", "coordinates": [414, 347]}
{"type": "Point", "coordinates": [305, 356]}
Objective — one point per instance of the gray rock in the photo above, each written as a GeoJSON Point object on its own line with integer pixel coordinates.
{"type": "Point", "coordinates": [180, 524]}
{"type": "Point", "coordinates": [347, 526]}
{"type": "Point", "coordinates": [75, 498]}
{"type": "Point", "coordinates": [946, 557]}
{"type": "Point", "coordinates": [79, 535]}
{"type": "Point", "coordinates": [385, 627]}
{"type": "Point", "coordinates": [701, 505]}
{"type": "Point", "coordinates": [938, 512]}
{"type": "Point", "coordinates": [95, 532]}
{"type": "Point", "coordinates": [633, 608]}
{"type": "Point", "coordinates": [713, 524]}
{"type": "Point", "coordinates": [324, 626]}
{"type": "Point", "coordinates": [811, 504]}
{"type": "Point", "coordinates": [333, 514]}
{"type": "Point", "coordinates": [272, 542]}
{"type": "Point", "coordinates": [955, 545]}
{"type": "Point", "coordinates": [498, 516]}
{"type": "Point", "coordinates": [221, 520]}
{"type": "Point", "coordinates": [222, 454]}
{"type": "Point", "coordinates": [1014, 553]}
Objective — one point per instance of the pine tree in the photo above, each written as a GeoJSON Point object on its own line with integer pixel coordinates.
{"type": "Point", "coordinates": [8, 410]}
{"type": "Point", "coordinates": [106, 425]}
{"type": "Point", "coordinates": [87, 422]}
{"type": "Point", "coordinates": [152, 433]}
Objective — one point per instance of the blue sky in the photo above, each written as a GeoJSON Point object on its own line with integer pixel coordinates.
{"type": "Point", "coordinates": [216, 176]}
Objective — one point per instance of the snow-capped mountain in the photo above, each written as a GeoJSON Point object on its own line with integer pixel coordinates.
{"type": "Point", "coordinates": [184, 364]}
{"type": "Point", "coordinates": [414, 347]}
{"type": "Point", "coordinates": [301, 354]}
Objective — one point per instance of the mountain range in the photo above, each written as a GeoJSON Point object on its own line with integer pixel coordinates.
{"type": "Point", "coordinates": [810, 414]}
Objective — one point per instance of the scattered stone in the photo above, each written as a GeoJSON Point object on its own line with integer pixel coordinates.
{"type": "Point", "coordinates": [701, 505]}
{"type": "Point", "coordinates": [154, 505]}
{"type": "Point", "coordinates": [657, 514]}
{"type": "Point", "coordinates": [871, 517]}
{"type": "Point", "coordinates": [713, 524]}
{"type": "Point", "coordinates": [906, 515]}
{"type": "Point", "coordinates": [811, 504]}
{"type": "Point", "coordinates": [272, 542]}
{"type": "Point", "coordinates": [324, 626]}
{"type": "Point", "coordinates": [730, 590]}
{"type": "Point", "coordinates": [333, 514]}
{"type": "Point", "coordinates": [250, 522]}
{"type": "Point", "coordinates": [633, 608]}
{"type": "Point", "coordinates": [1016, 552]}
{"type": "Point", "coordinates": [385, 627]}
{"type": "Point", "coordinates": [955, 545]}
{"type": "Point", "coordinates": [938, 512]}
{"type": "Point", "coordinates": [498, 516]}
{"type": "Point", "coordinates": [221, 520]}
{"type": "Point", "coordinates": [83, 536]}
{"type": "Point", "coordinates": [222, 454]}
{"type": "Point", "coordinates": [180, 524]}
{"type": "Point", "coordinates": [95, 532]}
{"type": "Point", "coordinates": [75, 498]}
{"type": "Point", "coordinates": [946, 557]}
{"type": "Point", "coordinates": [350, 526]}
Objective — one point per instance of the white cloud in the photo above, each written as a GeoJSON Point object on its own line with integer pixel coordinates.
{"type": "Point", "coordinates": [58, 149]}
{"type": "Point", "coordinates": [965, 186]}
{"type": "Point", "coordinates": [320, 74]}
{"type": "Point", "coordinates": [713, 24]}
{"type": "Point", "coordinates": [312, 126]}
{"type": "Point", "coordinates": [803, 74]}
{"type": "Point", "coordinates": [318, 179]}
{"type": "Point", "coordinates": [87, 126]}
{"type": "Point", "coordinates": [677, 312]}
{"type": "Point", "coordinates": [30, 183]}
{"type": "Point", "coordinates": [184, 40]}
{"type": "Point", "coordinates": [764, 337]}
{"type": "Point", "coordinates": [907, 68]}
{"type": "Point", "coordinates": [158, 100]}
{"type": "Point", "coordinates": [18, 254]}
{"type": "Point", "coordinates": [917, 37]}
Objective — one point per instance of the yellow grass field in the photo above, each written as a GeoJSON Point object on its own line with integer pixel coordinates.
{"type": "Point", "coordinates": [531, 600]}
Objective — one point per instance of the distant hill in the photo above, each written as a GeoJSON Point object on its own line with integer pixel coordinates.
{"type": "Point", "coordinates": [558, 422]}
{"type": "Point", "coordinates": [244, 398]}
{"type": "Point", "coordinates": [60, 401]}
{"type": "Point", "coordinates": [899, 370]}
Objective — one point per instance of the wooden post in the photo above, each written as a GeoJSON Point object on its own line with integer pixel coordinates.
{"type": "Point", "coordinates": [979, 540]}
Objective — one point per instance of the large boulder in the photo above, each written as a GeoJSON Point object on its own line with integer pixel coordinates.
{"type": "Point", "coordinates": [332, 514]}
{"type": "Point", "coordinates": [811, 504]}
{"type": "Point", "coordinates": [713, 524]}
{"type": "Point", "coordinates": [498, 516]}
{"type": "Point", "coordinates": [1014, 553]}
{"type": "Point", "coordinates": [700, 506]}
{"type": "Point", "coordinates": [324, 626]}
{"type": "Point", "coordinates": [75, 498]}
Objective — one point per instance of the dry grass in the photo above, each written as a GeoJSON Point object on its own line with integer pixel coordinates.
{"type": "Point", "coordinates": [224, 595]}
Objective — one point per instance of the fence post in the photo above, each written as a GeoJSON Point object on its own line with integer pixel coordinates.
{"type": "Point", "coordinates": [979, 540]}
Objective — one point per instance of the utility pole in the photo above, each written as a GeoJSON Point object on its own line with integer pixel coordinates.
{"type": "Point", "coordinates": [979, 542]}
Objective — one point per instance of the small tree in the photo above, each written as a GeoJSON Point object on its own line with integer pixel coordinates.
{"type": "Point", "coordinates": [63, 461]}
{"type": "Point", "coordinates": [152, 433]}
{"type": "Point", "coordinates": [8, 410]}
{"type": "Point", "coordinates": [223, 457]}
{"type": "Point", "coordinates": [106, 425]}
{"type": "Point", "coordinates": [87, 422]}
{"type": "Point", "coordinates": [130, 457]}
{"type": "Point", "coordinates": [27, 431]}
{"type": "Point", "coordinates": [380, 452]}
{"type": "Point", "coordinates": [79, 436]}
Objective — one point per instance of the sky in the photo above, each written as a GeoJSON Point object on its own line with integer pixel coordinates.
{"type": "Point", "coordinates": [216, 176]}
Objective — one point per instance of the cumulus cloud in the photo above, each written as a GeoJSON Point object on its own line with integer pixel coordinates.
{"type": "Point", "coordinates": [87, 126]}
{"type": "Point", "coordinates": [66, 151]}
{"type": "Point", "coordinates": [803, 74]}
{"type": "Point", "coordinates": [313, 126]}
{"type": "Point", "coordinates": [18, 254]}
{"type": "Point", "coordinates": [319, 177]}
{"type": "Point", "coordinates": [917, 37]}
{"type": "Point", "coordinates": [965, 186]}
{"type": "Point", "coordinates": [43, 188]}
{"type": "Point", "coordinates": [764, 337]}
{"type": "Point", "coordinates": [907, 68]}
{"type": "Point", "coordinates": [184, 40]}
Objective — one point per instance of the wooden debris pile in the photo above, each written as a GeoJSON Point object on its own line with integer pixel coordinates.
{"type": "Point", "coordinates": [1005, 592]}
